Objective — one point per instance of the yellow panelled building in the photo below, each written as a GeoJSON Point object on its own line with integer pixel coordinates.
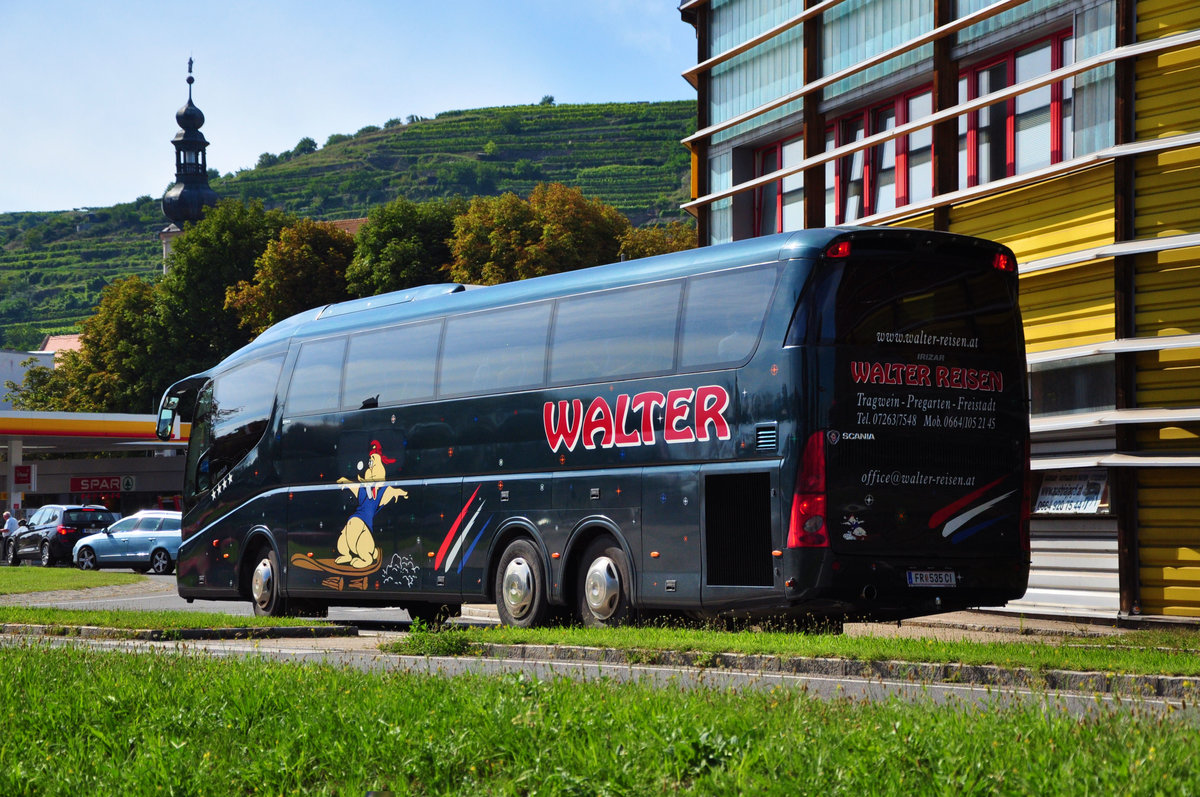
{"type": "Point", "coordinates": [1068, 130]}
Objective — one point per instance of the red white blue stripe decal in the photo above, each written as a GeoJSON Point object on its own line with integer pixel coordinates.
{"type": "Point", "coordinates": [441, 554]}
{"type": "Point", "coordinates": [956, 515]}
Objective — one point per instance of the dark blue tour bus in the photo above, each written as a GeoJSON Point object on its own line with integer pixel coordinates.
{"type": "Point", "coordinates": [830, 422]}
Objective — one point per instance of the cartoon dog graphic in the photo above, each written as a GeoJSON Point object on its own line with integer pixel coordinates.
{"type": "Point", "coordinates": [356, 543]}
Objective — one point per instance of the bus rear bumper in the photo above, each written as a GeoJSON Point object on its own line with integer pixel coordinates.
{"type": "Point", "coordinates": [893, 588]}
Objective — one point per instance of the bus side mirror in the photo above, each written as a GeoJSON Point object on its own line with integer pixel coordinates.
{"type": "Point", "coordinates": [166, 418]}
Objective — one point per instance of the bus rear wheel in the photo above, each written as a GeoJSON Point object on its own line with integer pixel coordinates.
{"type": "Point", "coordinates": [521, 597]}
{"type": "Point", "coordinates": [264, 586]}
{"type": "Point", "coordinates": [604, 585]}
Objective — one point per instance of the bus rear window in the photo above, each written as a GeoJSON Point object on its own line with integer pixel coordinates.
{"type": "Point", "coordinates": [892, 296]}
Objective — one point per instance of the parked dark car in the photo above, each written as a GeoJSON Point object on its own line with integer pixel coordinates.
{"type": "Point", "coordinates": [52, 531]}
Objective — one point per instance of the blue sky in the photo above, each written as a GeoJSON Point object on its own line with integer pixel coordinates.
{"type": "Point", "coordinates": [88, 90]}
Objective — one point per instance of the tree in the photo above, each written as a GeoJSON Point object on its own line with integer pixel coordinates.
{"type": "Point", "coordinates": [116, 368]}
{"type": "Point", "coordinates": [305, 146]}
{"type": "Point", "coordinates": [658, 239]}
{"type": "Point", "coordinates": [121, 350]}
{"type": "Point", "coordinates": [42, 389]}
{"type": "Point", "coordinates": [547, 99]}
{"type": "Point", "coordinates": [403, 244]}
{"type": "Point", "coordinates": [218, 251]}
{"type": "Point", "coordinates": [505, 238]}
{"type": "Point", "coordinates": [266, 159]}
{"type": "Point", "coordinates": [305, 267]}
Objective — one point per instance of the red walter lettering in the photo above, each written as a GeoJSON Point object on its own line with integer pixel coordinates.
{"type": "Point", "coordinates": [689, 415]}
{"type": "Point", "coordinates": [918, 375]}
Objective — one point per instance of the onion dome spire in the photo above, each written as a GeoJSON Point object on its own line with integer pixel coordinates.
{"type": "Point", "coordinates": [186, 199]}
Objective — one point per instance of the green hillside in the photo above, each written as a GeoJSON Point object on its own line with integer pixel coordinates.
{"type": "Point", "coordinates": [54, 265]}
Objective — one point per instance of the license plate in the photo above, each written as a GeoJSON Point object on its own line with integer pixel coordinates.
{"type": "Point", "coordinates": [931, 578]}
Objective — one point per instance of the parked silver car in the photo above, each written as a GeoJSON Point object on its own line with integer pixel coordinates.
{"type": "Point", "coordinates": [146, 540]}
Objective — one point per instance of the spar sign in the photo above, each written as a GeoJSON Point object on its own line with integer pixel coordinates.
{"type": "Point", "coordinates": [102, 484]}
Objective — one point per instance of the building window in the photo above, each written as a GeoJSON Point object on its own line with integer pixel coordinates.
{"type": "Point", "coordinates": [884, 177]}
{"type": "Point", "coordinates": [1022, 134]}
{"type": "Point", "coordinates": [779, 205]}
{"type": "Point", "coordinates": [1080, 384]}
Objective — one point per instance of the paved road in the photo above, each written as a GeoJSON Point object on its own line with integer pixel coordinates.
{"type": "Point", "coordinates": [159, 593]}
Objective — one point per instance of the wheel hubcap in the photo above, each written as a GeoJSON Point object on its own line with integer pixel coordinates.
{"type": "Point", "coordinates": [87, 560]}
{"type": "Point", "coordinates": [602, 587]}
{"type": "Point", "coordinates": [518, 587]}
{"type": "Point", "coordinates": [262, 584]}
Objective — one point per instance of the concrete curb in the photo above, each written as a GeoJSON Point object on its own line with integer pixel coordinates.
{"type": "Point", "coordinates": [182, 634]}
{"type": "Point", "coordinates": [1168, 686]}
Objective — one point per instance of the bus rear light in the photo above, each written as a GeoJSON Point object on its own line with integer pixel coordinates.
{"type": "Point", "coordinates": [806, 528]}
{"type": "Point", "coordinates": [1003, 262]}
{"type": "Point", "coordinates": [839, 249]}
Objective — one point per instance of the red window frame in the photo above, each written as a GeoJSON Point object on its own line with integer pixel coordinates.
{"type": "Point", "coordinates": [760, 154]}
{"type": "Point", "coordinates": [898, 105]}
{"type": "Point", "coordinates": [1009, 60]}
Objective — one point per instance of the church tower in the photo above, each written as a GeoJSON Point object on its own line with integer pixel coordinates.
{"type": "Point", "coordinates": [186, 199]}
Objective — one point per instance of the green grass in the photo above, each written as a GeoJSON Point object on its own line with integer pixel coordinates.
{"type": "Point", "coordinates": [165, 620]}
{"type": "Point", "coordinates": [1138, 653]}
{"type": "Point", "coordinates": [15, 580]}
{"type": "Point", "coordinates": [79, 721]}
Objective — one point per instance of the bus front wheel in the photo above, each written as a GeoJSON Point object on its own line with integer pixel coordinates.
{"type": "Point", "coordinates": [521, 598]}
{"type": "Point", "coordinates": [264, 587]}
{"type": "Point", "coordinates": [604, 585]}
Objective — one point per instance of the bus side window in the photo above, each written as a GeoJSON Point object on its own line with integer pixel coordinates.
{"type": "Point", "coordinates": [317, 377]}
{"type": "Point", "coordinates": [391, 366]}
{"type": "Point", "coordinates": [495, 351]}
{"type": "Point", "coordinates": [615, 334]}
{"type": "Point", "coordinates": [723, 316]}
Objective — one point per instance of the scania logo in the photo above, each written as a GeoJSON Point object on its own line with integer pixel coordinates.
{"type": "Point", "coordinates": [834, 436]}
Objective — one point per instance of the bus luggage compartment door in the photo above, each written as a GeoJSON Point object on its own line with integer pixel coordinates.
{"type": "Point", "coordinates": [740, 521]}
{"type": "Point", "coordinates": [672, 558]}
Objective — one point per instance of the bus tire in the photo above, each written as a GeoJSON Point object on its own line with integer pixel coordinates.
{"type": "Point", "coordinates": [604, 585]}
{"type": "Point", "coordinates": [264, 586]}
{"type": "Point", "coordinates": [521, 595]}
